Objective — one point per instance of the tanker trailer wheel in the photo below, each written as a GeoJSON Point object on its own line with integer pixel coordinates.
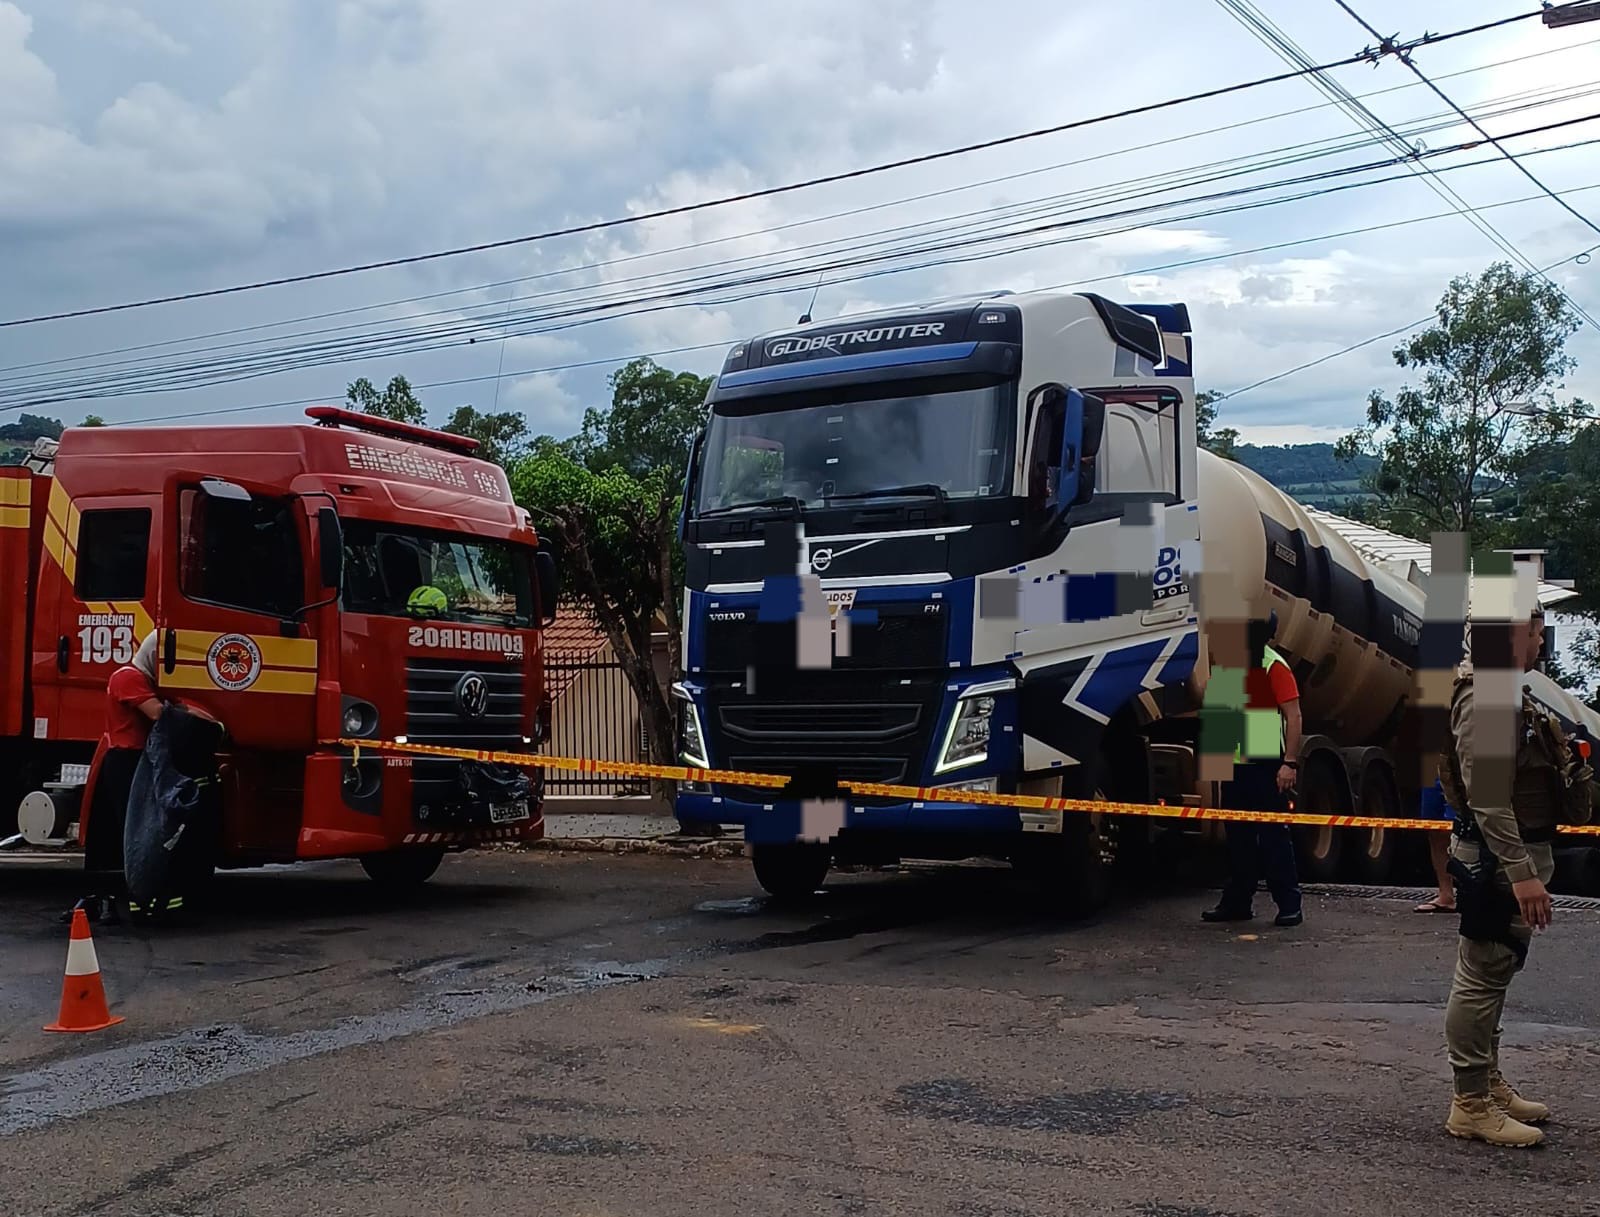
{"type": "Point", "coordinates": [1374, 850]}
{"type": "Point", "coordinates": [1577, 871]}
{"type": "Point", "coordinates": [1320, 850]}
{"type": "Point", "coordinates": [791, 872]}
{"type": "Point", "coordinates": [402, 868]}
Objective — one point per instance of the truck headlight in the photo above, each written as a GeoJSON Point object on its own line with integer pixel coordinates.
{"type": "Point", "coordinates": [967, 741]}
{"type": "Point", "coordinates": [692, 747]}
{"type": "Point", "coordinates": [358, 718]}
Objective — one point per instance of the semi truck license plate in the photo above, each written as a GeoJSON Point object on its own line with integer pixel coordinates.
{"type": "Point", "coordinates": [508, 813]}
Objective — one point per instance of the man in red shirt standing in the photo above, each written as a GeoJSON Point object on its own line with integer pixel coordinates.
{"type": "Point", "coordinates": [132, 706]}
{"type": "Point", "coordinates": [1263, 784]}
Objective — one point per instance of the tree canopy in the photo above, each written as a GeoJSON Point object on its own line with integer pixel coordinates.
{"type": "Point", "coordinates": [1490, 367]}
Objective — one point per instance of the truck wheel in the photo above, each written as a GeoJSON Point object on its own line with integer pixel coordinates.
{"type": "Point", "coordinates": [1374, 851]}
{"type": "Point", "coordinates": [1073, 874]}
{"type": "Point", "coordinates": [791, 872]}
{"type": "Point", "coordinates": [402, 868]}
{"type": "Point", "coordinates": [1320, 853]}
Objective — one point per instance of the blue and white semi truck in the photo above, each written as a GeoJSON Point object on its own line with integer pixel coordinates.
{"type": "Point", "coordinates": [1002, 503]}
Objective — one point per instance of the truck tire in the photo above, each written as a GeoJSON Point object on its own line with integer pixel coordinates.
{"type": "Point", "coordinates": [791, 872]}
{"type": "Point", "coordinates": [1373, 851]}
{"type": "Point", "coordinates": [1073, 874]}
{"type": "Point", "coordinates": [1320, 850]}
{"type": "Point", "coordinates": [402, 868]}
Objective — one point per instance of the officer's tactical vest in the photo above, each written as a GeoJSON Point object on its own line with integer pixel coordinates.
{"type": "Point", "coordinates": [1268, 658]}
{"type": "Point", "coordinates": [1552, 784]}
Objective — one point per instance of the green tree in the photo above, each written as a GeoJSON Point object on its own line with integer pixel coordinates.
{"type": "Point", "coordinates": [93, 420]}
{"type": "Point", "coordinates": [501, 435]}
{"type": "Point", "coordinates": [650, 423]}
{"type": "Point", "coordinates": [1489, 369]}
{"type": "Point", "coordinates": [1223, 441]}
{"type": "Point", "coordinates": [397, 401]}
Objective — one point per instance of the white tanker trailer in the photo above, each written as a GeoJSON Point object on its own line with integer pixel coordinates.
{"type": "Point", "coordinates": [971, 483]}
{"type": "Point", "coordinates": [1349, 624]}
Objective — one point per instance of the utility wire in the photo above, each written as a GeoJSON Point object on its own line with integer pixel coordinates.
{"type": "Point", "coordinates": [731, 339]}
{"type": "Point", "coordinates": [1580, 257]}
{"type": "Point", "coordinates": [1248, 15]}
{"type": "Point", "coordinates": [801, 223]}
{"type": "Point", "coordinates": [213, 372]}
{"type": "Point", "coordinates": [1388, 45]}
{"type": "Point", "coordinates": [1138, 187]}
{"type": "Point", "coordinates": [764, 192]}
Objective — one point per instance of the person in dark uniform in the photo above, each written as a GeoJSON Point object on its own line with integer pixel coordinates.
{"type": "Point", "coordinates": [1263, 783]}
{"type": "Point", "coordinates": [132, 706]}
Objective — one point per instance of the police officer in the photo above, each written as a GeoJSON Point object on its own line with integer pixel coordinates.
{"type": "Point", "coordinates": [1513, 777]}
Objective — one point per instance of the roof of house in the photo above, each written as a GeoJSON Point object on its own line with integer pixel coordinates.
{"type": "Point", "coordinates": [572, 638]}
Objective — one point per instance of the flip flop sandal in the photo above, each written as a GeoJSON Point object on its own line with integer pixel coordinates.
{"type": "Point", "coordinates": [1433, 906]}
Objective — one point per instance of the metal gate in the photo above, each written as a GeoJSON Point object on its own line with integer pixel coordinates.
{"type": "Point", "coordinates": [595, 715]}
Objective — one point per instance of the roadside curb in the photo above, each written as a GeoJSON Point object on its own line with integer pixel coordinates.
{"type": "Point", "coordinates": [692, 847]}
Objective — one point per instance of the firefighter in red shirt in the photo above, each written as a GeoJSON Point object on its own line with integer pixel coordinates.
{"type": "Point", "coordinates": [1257, 851]}
{"type": "Point", "coordinates": [132, 706]}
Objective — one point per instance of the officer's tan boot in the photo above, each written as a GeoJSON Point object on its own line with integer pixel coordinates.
{"type": "Point", "coordinates": [1506, 1098]}
{"type": "Point", "coordinates": [1478, 1117]}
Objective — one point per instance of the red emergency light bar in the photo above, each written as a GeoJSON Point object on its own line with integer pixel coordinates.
{"type": "Point", "coordinates": [333, 416]}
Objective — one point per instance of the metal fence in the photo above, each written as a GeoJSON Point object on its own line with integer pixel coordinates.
{"type": "Point", "coordinates": [595, 715]}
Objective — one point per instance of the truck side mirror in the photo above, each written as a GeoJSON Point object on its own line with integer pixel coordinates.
{"type": "Point", "coordinates": [1091, 430]}
{"type": "Point", "coordinates": [330, 548]}
{"type": "Point", "coordinates": [689, 481]}
{"type": "Point", "coordinates": [549, 578]}
{"type": "Point", "coordinates": [217, 488]}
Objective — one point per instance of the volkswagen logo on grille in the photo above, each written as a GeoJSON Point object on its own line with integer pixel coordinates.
{"type": "Point", "coordinates": [472, 696]}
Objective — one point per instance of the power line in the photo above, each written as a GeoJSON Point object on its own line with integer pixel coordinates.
{"type": "Point", "coordinates": [765, 192]}
{"type": "Point", "coordinates": [10, 378]}
{"type": "Point", "coordinates": [730, 340]}
{"type": "Point", "coordinates": [1254, 20]}
{"type": "Point", "coordinates": [1405, 57]}
{"type": "Point", "coordinates": [801, 223]}
{"type": "Point", "coordinates": [1580, 257]}
{"type": "Point", "coordinates": [37, 394]}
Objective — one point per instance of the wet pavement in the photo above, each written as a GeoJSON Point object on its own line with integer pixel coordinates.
{"type": "Point", "coordinates": [605, 1035]}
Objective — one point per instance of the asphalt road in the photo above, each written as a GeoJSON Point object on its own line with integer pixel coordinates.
{"type": "Point", "coordinates": [602, 1036]}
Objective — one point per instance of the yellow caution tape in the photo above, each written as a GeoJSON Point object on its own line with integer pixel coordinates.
{"type": "Point", "coordinates": [923, 794]}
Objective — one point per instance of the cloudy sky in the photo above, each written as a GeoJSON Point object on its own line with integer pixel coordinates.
{"type": "Point", "coordinates": [145, 152]}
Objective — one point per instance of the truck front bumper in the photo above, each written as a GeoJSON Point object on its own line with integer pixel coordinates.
{"type": "Point", "coordinates": [786, 822]}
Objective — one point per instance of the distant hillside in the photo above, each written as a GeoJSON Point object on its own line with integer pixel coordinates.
{"type": "Point", "coordinates": [1309, 472]}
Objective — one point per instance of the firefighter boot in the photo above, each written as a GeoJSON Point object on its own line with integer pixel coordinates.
{"type": "Point", "coordinates": [1478, 1117]}
{"type": "Point", "coordinates": [1506, 1098]}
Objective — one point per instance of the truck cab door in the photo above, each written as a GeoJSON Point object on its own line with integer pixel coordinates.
{"type": "Point", "coordinates": [233, 584]}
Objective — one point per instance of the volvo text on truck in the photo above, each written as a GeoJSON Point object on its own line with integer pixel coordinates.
{"type": "Point", "coordinates": [347, 577]}
{"type": "Point", "coordinates": [971, 483]}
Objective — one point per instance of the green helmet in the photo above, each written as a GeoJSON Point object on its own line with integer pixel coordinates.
{"type": "Point", "coordinates": [427, 601]}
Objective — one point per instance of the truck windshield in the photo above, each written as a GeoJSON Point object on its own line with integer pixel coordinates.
{"type": "Point", "coordinates": [949, 444]}
{"type": "Point", "coordinates": [398, 572]}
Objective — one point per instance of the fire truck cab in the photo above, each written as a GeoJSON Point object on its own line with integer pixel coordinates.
{"type": "Point", "coordinates": [349, 577]}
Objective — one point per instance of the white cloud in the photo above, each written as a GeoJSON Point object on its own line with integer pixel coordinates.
{"type": "Point", "coordinates": [298, 134]}
{"type": "Point", "coordinates": [126, 25]}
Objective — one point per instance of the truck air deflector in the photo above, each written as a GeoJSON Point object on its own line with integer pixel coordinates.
{"type": "Point", "coordinates": [981, 359]}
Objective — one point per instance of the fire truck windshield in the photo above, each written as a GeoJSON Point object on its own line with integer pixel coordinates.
{"type": "Point", "coordinates": [950, 443]}
{"type": "Point", "coordinates": [400, 572]}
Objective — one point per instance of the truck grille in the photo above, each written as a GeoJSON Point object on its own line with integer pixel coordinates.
{"type": "Point", "coordinates": [904, 636]}
{"type": "Point", "coordinates": [847, 738]}
{"type": "Point", "coordinates": [433, 717]}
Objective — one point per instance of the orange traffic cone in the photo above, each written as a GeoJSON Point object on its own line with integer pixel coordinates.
{"type": "Point", "coordinates": [83, 998]}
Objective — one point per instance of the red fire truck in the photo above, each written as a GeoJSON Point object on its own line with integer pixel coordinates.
{"type": "Point", "coordinates": [347, 577]}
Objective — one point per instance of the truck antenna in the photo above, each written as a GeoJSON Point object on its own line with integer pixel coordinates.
{"type": "Point", "coordinates": [805, 318]}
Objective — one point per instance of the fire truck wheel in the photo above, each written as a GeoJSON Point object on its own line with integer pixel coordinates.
{"type": "Point", "coordinates": [402, 868]}
{"type": "Point", "coordinates": [791, 872]}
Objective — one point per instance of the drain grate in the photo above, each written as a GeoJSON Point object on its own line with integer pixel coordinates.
{"type": "Point", "coordinates": [1418, 894]}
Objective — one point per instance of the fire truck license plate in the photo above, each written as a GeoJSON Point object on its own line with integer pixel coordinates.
{"type": "Point", "coordinates": [507, 813]}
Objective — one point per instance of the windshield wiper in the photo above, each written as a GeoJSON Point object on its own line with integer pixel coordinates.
{"type": "Point", "coordinates": [925, 489]}
{"type": "Point", "coordinates": [787, 500]}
